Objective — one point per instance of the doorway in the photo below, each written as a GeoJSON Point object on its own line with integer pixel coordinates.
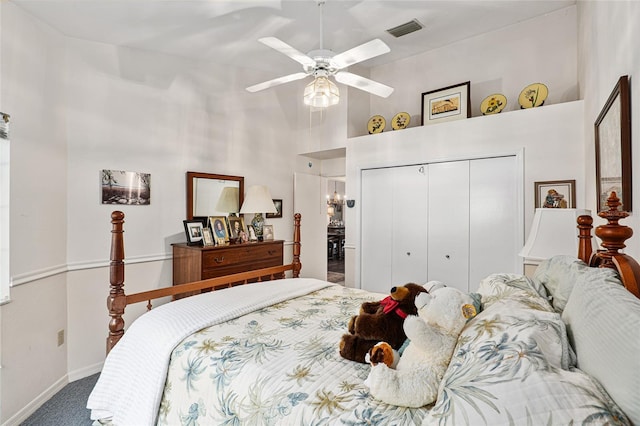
{"type": "Point", "coordinates": [335, 230]}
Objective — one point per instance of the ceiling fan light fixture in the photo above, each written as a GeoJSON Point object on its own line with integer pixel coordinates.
{"type": "Point", "coordinates": [321, 93]}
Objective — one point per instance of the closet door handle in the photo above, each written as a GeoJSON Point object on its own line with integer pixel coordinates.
{"type": "Point", "coordinates": [446, 256]}
{"type": "Point", "coordinates": [408, 253]}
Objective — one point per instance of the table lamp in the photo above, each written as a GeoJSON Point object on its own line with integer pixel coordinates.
{"type": "Point", "coordinates": [258, 200]}
{"type": "Point", "coordinates": [553, 232]}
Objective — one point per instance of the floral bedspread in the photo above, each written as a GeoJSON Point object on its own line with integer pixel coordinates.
{"type": "Point", "coordinates": [280, 366]}
{"type": "Point", "coordinates": [277, 366]}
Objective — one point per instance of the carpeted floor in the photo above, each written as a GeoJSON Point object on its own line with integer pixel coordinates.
{"type": "Point", "coordinates": [67, 407]}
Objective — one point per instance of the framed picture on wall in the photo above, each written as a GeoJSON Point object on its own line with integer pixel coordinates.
{"type": "Point", "coordinates": [194, 230]}
{"type": "Point", "coordinates": [278, 204]}
{"type": "Point", "coordinates": [613, 147]}
{"type": "Point", "coordinates": [446, 104]}
{"type": "Point", "coordinates": [555, 194]}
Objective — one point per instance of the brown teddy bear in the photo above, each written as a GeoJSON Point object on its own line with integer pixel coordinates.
{"type": "Point", "coordinates": [380, 321]}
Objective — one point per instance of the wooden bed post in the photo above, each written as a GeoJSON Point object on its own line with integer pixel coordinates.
{"type": "Point", "coordinates": [613, 236]}
{"type": "Point", "coordinates": [116, 301]}
{"type": "Point", "coordinates": [296, 245]}
{"type": "Point", "coordinates": [585, 248]}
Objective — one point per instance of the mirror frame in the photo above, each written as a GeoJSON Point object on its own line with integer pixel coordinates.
{"type": "Point", "coordinates": [191, 176]}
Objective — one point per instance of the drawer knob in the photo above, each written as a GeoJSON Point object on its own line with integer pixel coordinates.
{"type": "Point", "coordinates": [271, 252]}
{"type": "Point", "coordinates": [219, 260]}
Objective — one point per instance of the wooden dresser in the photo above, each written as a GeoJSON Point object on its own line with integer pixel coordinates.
{"type": "Point", "coordinates": [195, 263]}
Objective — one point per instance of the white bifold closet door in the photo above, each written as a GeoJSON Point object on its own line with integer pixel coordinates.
{"type": "Point", "coordinates": [495, 237]}
{"type": "Point", "coordinates": [394, 227]}
{"type": "Point", "coordinates": [454, 222]}
{"type": "Point", "coordinates": [473, 220]}
{"type": "Point", "coordinates": [448, 216]}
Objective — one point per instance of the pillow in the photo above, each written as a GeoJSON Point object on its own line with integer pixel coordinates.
{"type": "Point", "coordinates": [603, 323]}
{"type": "Point", "coordinates": [559, 274]}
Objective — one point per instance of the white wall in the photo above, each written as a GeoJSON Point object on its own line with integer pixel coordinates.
{"type": "Point", "coordinates": [608, 47]}
{"type": "Point", "coordinates": [33, 56]}
{"type": "Point", "coordinates": [79, 107]}
{"type": "Point", "coordinates": [541, 49]}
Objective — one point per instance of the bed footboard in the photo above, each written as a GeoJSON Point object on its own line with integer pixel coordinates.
{"type": "Point", "coordinates": [118, 300]}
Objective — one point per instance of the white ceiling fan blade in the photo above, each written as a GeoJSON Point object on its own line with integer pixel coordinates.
{"type": "Point", "coordinates": [276, 81]}
{"type": "Point", "coordinates": [365, 84]}
{"type": "Point", "coordinates": [291, 52]}
{"type": "Point", "coordinates": [360, 53]}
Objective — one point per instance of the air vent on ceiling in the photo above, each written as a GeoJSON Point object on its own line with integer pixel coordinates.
{"type": "Point", "coordinates": [406, 28]}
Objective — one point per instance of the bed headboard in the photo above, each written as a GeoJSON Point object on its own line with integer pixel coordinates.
{"type": "Point", "coordinates": [613, 236]}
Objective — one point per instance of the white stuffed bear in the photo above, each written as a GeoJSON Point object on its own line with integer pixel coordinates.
{"type": "Point", "coordinates": [432, 334]}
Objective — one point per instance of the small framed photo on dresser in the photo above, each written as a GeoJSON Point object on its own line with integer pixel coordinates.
{"type": "Point", "coordinates": [267, 232]}
{"type": "Point", "coordinates": [194, 230]}
{"type": "Point", "coordinates": [207, 237]}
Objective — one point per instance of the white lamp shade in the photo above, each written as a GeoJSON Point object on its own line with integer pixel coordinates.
{"type": "Point", "coordinates": [553, 232]}
{"type": "Point", "coordinates": [228, 201]}
{"type": "Point", "coordinates": [258, 200]}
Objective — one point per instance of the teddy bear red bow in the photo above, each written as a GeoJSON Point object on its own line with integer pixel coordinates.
{"type": "Point", "coordinates": [380, 321]}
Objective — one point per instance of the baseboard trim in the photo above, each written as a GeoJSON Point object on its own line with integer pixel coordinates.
{"type": "Point", "coordinates": [31, 407]}
{"type": "Point", "coordinates": [81, 373]}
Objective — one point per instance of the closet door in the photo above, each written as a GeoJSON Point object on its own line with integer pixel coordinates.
{"type": "Point", "coordinates": [448, 241]}
{"type": "Point", "coordinates": [494, 240]}
{"type": "Point", "coordinates": [409, 201]}
{"type": "Point", "coordinates": [376, 231]}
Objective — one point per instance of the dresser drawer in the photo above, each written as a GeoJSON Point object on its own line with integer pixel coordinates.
{"type": "Point", "coordinates": [269, 255]}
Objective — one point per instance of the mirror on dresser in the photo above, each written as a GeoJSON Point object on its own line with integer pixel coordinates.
{"type": "Point", "coordinates": [206, 192]}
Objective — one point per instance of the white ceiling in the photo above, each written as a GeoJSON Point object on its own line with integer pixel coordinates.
{"type": "Point", "coordinates": [227, 31]}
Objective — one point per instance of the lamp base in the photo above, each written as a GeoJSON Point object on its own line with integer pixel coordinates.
{"type": "Point", "coordinates": [258, 224]}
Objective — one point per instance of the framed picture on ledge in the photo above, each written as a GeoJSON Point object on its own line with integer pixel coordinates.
{"type": "Point", "coordinates": [446, 104]}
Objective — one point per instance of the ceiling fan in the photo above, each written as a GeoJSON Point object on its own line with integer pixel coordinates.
{"type": "Point", "coordinates": [322, 64]}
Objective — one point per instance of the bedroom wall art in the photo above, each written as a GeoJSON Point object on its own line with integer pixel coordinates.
{"type": "Point", "coordinates": [278, 214]}
{"type": "Point", "coordinates": [613, 147]}
{"type": "Point", "coordinates": [555, 194]}
{"type": "Point", "coordinates": [493, 104]}
{"type": "Point", "coordinates": [446, 104]}
{"type": "Point", "coordinates": [121, 187]}
{"type": "Point", "coordinates": [533, 95]}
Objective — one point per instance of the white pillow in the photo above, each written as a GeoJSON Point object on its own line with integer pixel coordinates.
{"type": "Point", "coordinates": [559, 274]}
{"type": "Point", "coordinates": [603, 324]}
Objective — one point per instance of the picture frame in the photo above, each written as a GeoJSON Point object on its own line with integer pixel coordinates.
{"type": "Point", "coordinates": [446, 104]}
{"type": "Point", "coordinates": [218, 226]}
{"type": "Point", "coordinates": [207, 237]}
{"type": "Point", "coordinates": [613, 147]}
{"type": "Point", "coordinates": [555, 194]}
{"type": "Point", "coordinates": [267, 232]}
{"type": "Point", "coordinates": [252, 233]}
{"type": "Point", "coordinates": [278, 204]}
{"type": "Point", "coordinates": [194, 230]}
{"type": "Point", "coordinates": [236, 228]}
